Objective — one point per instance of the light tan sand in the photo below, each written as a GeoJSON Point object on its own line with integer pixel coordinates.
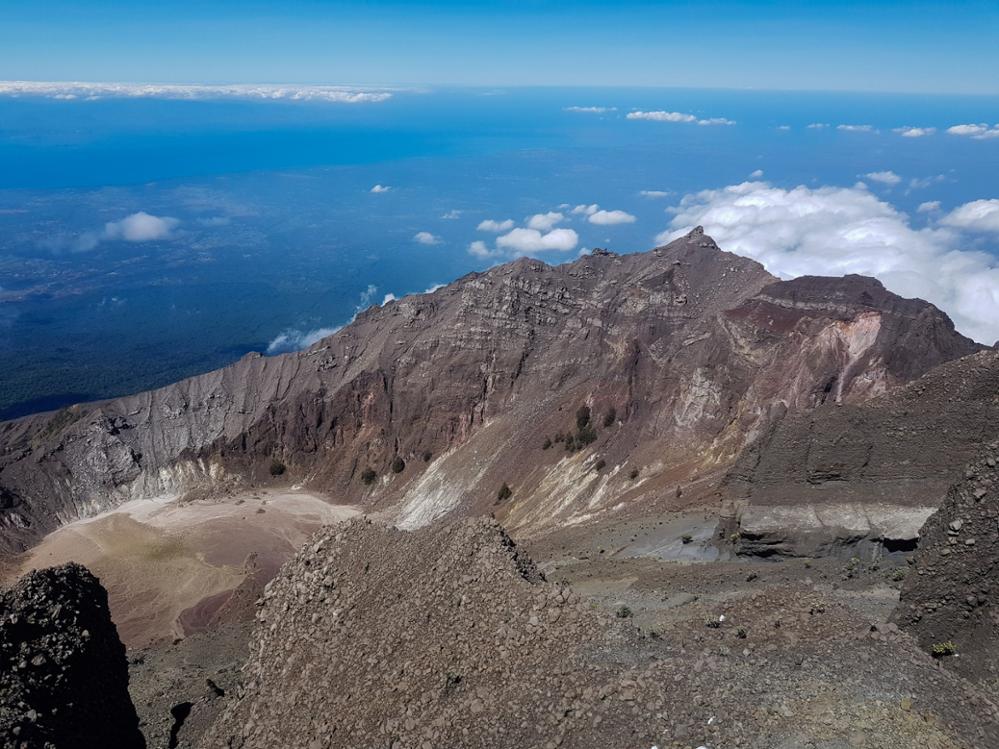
{"type": "Point", "coordinates": [168, 565]}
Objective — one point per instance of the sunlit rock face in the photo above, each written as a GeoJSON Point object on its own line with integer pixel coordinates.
{"type": "Point", "coordinates": [426, 406]}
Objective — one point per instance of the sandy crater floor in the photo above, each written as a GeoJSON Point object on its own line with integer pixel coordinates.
{"type": "Point", "coordinates": [175, 567]}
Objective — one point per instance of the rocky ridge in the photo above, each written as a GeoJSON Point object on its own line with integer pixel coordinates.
{"type": "Point", "coordinates": [449, 636]}
{"type": "Point", "coordinates": [63, 674]}
{"type": "Point", "coordinates": [428, 405]}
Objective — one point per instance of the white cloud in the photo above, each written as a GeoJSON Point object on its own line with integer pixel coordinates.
{"type": "Point", "coordinates": [655, 193]}
{"type": "Point", "coordinates": [426, 238]}
{"type": "Point", "coordinates": [784, 127]}
{"type": "Point", "coordinates": [661, 116]}
{"type": "Point", "coordinates": [886, 177]}
{"type": "Point", "coordinates": [522, 241]}
{"type": "Point", "coordinates": [585, 210]}
{"type": "Point", "coordinates": [914, 132]}
{"type": "Point", "coordinates": [380, 189]}
{"type": "Point", "coordinates": [817, 125]}
{"type": "Point", "coordinates": [296, 340]}
{"type": "Point", "coordinates": [390, 297]}
{"type": "Point", "coordinates": [480, 249]}
{"type": "Point", "coordinates": [979, 215]}
{"type": "Point", "coordinates": [930, 206]}
{"type": "Point", "coordinates": [74, 90]}
{"type": "Point", "coordinates": [834, 230]}
{"type": "Point", "coordinates": [980, 131]}
{"type": "Point", "coordinates": [591, 110]}
{"type": "Point", "coordinates": [756, 173]}
{"type": "Point", "coordinates": [856, 128]}
{"type": "Point", "coordinates": [451, 215]}
{"type": "Point", "coordinates": [140, 227]}
{"type": "Point", "coordinates": [917, 183]}
{"type": "Point", "coordinates": [366, 296]}
{"type": "Point", "coordinates": [496, 226]}
{"type": "Point", "coordinates": [610, 218]}
{"type": "Point", "coordinates": [544, 221]}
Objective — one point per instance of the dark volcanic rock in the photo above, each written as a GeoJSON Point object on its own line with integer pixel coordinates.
{"type": "Point", "coordinates": [869, 471]}
{"type": "Point", "coordinates": [951, 595]}
{"type": "Point", "coordinates": [63, 673]}
{"type": "Point", "coordinates": [691, 351]}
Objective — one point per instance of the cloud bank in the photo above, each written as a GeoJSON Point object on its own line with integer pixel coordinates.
{"type": "Point", "coordinates": [69, 90]}
{"type": "Point", "coordinates": [661, 116]}
{"type": "Point", "coordinates": [834, 231]}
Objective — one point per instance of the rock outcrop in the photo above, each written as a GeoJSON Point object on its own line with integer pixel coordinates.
{"type": "Point", "coordinates": [63, 673]}
{"type": "Point", "coordinates": [427, 405]}
{"type": "Point", "coordinates": [950, 599]}
{"type": "Point", "coordinates": [448, 636]}
{"type": "Point", "coordinates": [866, 473]}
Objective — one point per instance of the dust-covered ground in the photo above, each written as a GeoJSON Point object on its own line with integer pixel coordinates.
{"type": "Point", "coordinates": [173, 567]}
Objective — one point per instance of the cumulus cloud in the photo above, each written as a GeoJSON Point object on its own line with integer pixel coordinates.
{"type": "Point", "coordinates": [585, 210]}
{"type": "Point", "coordinates": [451, 215]}
{"type": "Point", "coordinates": [523, 241]}
{"type": "Point", "coordinates": [90, 91]}
{"type": "Point", "coordinates": [886, 177]}
{"type": "Point", "coordinates": [914, 132]}
{"type": "Point", "coordinates": [655, 193]}
{"type": "Point", "coordinates": [662, 116]}
{"type": "Point", "coordinates": [610, 218]}
{"type": "Point", "coordinates": [980, 131]}
{"type": "Point", "coordinates": [140, 227]}
{"type": "Point", "coordinates": [930, 206]}
{"type": "Point", "coordinates": [544, 221]}
{"type": "Point", "coordinates": [380, 189]}
{"type": "Point", "coordinates": [426, 238]}
{"type": "Point", "coordinates": [496, 226]}
{"type": "Point", "coordinates": [591, 110]}
{"type": "Point", "coordinates": [756, 174]}
{"type": "Point", "coordinates": [917, 183]}
{"type": "Point", "coordinates": [834, 230]}
{"type": "Point", "coordinates": [978, 215]}
{"type": "Point", "coordinates": [856, 128]}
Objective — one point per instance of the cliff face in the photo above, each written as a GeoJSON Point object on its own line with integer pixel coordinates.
{"type": "Point", "coordinates": [869, 471]}
{"type": "Point", "coordinates": [63, 674]}
{"type": "Point", "coordinates": [683, 355]}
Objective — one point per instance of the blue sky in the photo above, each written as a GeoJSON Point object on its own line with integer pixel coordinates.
{"type": "Point", "coordinates": [923, 47]}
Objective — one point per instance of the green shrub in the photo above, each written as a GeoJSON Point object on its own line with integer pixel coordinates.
{"type": "Point", "coordinates": [943, 649]}
{"type": "Point", "coordinates": [586, 435]}
{"type": "Point", "coordinates": [610, 417]}
{"type": "Point", "coordinates": [504, 493]}
{"type": "Point", "coordinates": [582, 417]}
{"type": "Point", "coordinates": [398, 464]}
{"type": "Point", "coordinates": [277, 467]}
{"type": "Point", "coordinates": [368, 476]}
{"type": "Point", "coordinates": [623, 613]}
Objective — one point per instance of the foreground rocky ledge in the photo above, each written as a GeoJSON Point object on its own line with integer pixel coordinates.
{"type": "Point", "coordinates": [448, 636]}
{"type": "Point", "coordinates": [63, 674]}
